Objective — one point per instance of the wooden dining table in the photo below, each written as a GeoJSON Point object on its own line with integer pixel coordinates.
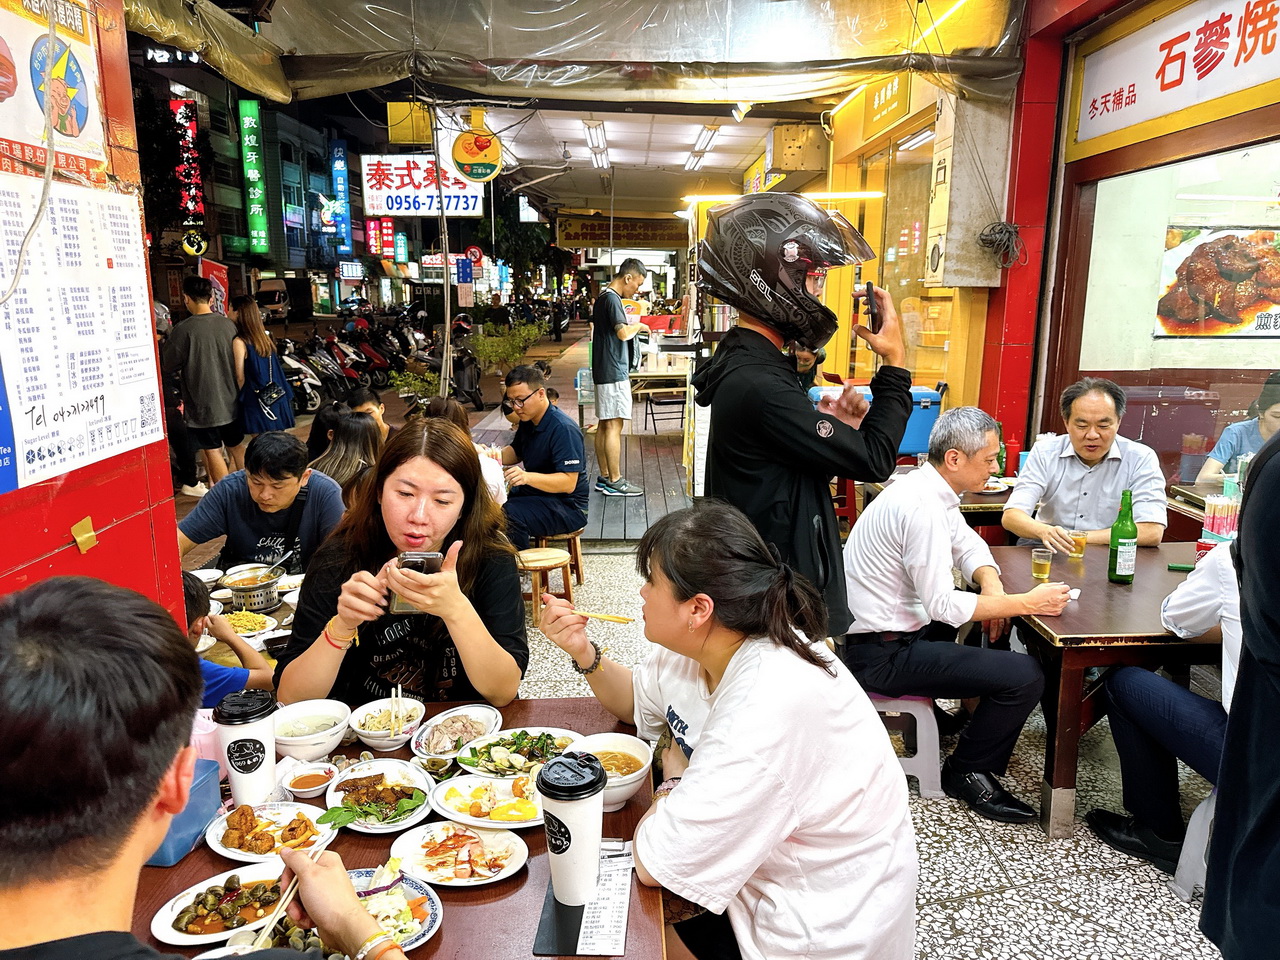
{"type": "Point", "coordinates": [494, 922]}
{"type": "Point", "coordinates": [1110, 624]}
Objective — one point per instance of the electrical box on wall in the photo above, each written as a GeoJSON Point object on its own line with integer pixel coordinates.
{"type": "Point", "coordinates": [797, 152]}
{"type": "Point", "coordinates": [967, 193]}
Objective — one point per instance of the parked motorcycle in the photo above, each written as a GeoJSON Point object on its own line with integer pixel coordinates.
{"type": "Point", "coordinates": [308, 391]}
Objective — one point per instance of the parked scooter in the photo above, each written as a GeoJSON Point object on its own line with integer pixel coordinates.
{"type": "Point", "coordinates": [308, 392]}
{"type": "Point", "coordinates": [353, 363]}
{"type": "Point", "coordinates": [379, 364]}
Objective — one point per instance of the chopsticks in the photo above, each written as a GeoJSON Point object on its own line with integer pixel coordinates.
{"type": "Point", "coordinates": [395, 709]}
{"type": "Point", "coordinates": [609, 617]}
{"type": "Point", "coordinates": [264, 937]}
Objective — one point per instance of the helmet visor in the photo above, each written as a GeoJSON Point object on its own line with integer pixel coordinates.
{"type": "Point", "coordinates": [855, 248]}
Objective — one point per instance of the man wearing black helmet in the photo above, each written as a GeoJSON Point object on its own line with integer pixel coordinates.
{"type": "Point", "coordinates": [770, 454]}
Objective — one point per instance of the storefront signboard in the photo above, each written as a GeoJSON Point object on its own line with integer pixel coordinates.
{"type": "Point", "coordinates": [1203, 51]}
{"type": "Point", "coordinates": [477, 154]}
{"type": "Point", "coordinates": [408, 122]}
{"type": "Point", "coordinates": [71, 64]}
{"type": "Point", "coordinates": [373, 237]}
{"type": "Point", "coordinates": [190, 184]}
{"type": "Point", "coordinates": [649, 234]}
{"type": "Point", "coordinates": [350, 270]}
{"type": "Point", "coordinates": [340, 206]}
{"type": "Point", "coordinates": [79, 381]}
{"type": "Point", "coordinates": [1197, 300]}
{"type": "Point", "coordinates": [255, 177]}
{"type": "Point", "coordinates": [401, 246]}
{"type": "Point", "coordinates": [757, 178]}
{"type": "Point", "coordinates": [387, 229]}
{"type": "Point", "coordinates": [887, 102]}
{"type": "Point", "coordinates": [405, 185]}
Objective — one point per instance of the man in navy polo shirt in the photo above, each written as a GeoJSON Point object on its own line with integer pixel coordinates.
{"type": "Point", "coordinates": [549, 489]}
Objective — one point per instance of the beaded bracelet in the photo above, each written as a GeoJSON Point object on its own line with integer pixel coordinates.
{"type": "Point", "coordinates": [595, 664]}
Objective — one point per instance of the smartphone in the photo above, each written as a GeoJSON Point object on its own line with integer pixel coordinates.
{"type": "Point", "coordinates": [873, 309]}
{"type": "Point", "coordinates": [419, 562]}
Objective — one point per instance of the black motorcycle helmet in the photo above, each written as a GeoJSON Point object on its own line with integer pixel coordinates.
{"type": "Point", "coordinates": [759, 251]}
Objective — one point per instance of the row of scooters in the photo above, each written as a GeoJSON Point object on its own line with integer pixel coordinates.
{"type": "Point", "coordinates": [367, 351]}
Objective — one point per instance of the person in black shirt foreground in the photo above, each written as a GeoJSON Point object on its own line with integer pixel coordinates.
{"type": "Point", "coordinates": [103, 680]}
{"type": "Point", "coordinates": [467, 639]}
{"type": "Point", "coordinates": [770, 454]}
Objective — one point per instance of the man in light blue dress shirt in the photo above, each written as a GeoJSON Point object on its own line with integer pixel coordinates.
{"type": "Point", "coordinates": [1076, 480]}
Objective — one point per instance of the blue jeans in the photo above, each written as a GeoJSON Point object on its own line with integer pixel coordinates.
{"type": "Point", "coordinates": [1155, 723]}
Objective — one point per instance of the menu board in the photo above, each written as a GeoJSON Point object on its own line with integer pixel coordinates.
{"type": "Point", "coordinates": [78, 377]}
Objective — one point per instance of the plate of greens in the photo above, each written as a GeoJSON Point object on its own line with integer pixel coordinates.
{"type": "Point", "coordinates": [517, 752]}
{"type": "Point", "coordinates": [378, 796]}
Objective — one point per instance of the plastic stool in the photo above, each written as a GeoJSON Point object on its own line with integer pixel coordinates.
{"type": "Point", "coordinates": [1195, 850]}
{"type": "Point", "coordinates": [925, 764]}
{"type": "Point", "coordinates": [538, 562]}
{"type": "Point", "coordinates": [575, 551]}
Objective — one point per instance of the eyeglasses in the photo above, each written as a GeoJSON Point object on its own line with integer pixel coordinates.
{"type": "Point", "coordinates": [519, 404]}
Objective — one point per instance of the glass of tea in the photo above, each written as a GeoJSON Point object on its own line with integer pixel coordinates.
{"type": "Point", "coordinates": [1041, 561]}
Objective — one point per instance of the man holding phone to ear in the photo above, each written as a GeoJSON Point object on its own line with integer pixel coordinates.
{"type": "Point", "coordinates": [770, 454]}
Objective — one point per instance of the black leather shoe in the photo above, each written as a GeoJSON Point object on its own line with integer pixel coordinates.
{"type": "Point", "coordinates": [1127, 836]}
{"type": "Point", "coordinates": [985, 796]}
{"type": "Point", "coordinates": [951, 724]}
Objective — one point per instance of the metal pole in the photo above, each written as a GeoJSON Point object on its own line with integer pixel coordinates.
{"type": "Point", "coordinates": [446, 356]}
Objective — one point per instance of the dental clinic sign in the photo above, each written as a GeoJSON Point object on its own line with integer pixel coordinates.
{"type": "Point", "coordinates": [1200, 52]}
{"type": "Point", "coordinates": [255, 177]}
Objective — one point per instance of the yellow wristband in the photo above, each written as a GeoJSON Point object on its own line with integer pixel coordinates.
{"type": "Point", "coordinates": [328, 628]}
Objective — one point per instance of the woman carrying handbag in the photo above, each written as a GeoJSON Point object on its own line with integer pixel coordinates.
{"type": "Point", "coordinates": [266, 399]}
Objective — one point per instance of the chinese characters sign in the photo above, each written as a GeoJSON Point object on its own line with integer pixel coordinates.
{"type": "Point", "coordinates": [401, 247]}
{"type": "Point", "coordinates": [255, 177]}
{"type": "Point", "coordinates": [670, 233]}
{"type": "Point", "coordinates": [406, 185]}
{"type": "Point", "coordinates": [887, 102]}
{"type": "Point", "coordinates": [341, 210]}
{"type": "Point", "coordinates": [387, 228]}
{"type": "Point", "coordinates": [1201, 52]}
{"type": "Point", "coordinates": [188, 171]}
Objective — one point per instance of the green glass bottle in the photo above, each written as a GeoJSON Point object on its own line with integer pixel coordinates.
{"type": "Point", "coordinates": [1124, 543]}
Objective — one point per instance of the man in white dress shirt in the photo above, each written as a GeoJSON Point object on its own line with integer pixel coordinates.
{"type": "Point", "coordinates": [1077, 479]}
{"type": "Point", "coordinates": [898, 569]}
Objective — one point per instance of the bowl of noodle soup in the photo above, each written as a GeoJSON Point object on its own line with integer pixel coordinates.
{"type": "Point", "coordinates": [626, 759]}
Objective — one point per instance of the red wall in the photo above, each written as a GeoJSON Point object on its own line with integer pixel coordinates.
{"type": "Point", "coordinates": [129, 497]}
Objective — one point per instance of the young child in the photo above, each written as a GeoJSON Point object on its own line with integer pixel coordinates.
{"type": "Point", "coordinates": [255, 673]}
{"type": "Point", "coordinates": [553, 395]}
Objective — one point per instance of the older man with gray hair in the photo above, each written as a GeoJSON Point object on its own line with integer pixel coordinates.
{"type": "Point", "coordinates": [898, 568]}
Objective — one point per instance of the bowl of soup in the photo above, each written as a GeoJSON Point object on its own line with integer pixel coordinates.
{"type": "Point", "coordinates": [253, 586]}
{"type": "Point", "coordinates": [310, 729]}
{"type": "Point", "coordinates": [626, 760]}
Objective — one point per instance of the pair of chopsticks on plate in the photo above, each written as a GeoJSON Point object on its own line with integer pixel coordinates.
{"type": "Point", "coordinates": [396, 723]}
{"type": "Point", "coordinates": [264, 937]}
{"type": "Point", "coordinates": [608, 617]}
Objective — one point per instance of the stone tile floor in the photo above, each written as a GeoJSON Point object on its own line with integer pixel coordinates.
{"type": "Point", "coordinates": [987, 891]}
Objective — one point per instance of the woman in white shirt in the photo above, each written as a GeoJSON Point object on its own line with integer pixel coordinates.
{"type": "Point", "coordinates": [791, 817]}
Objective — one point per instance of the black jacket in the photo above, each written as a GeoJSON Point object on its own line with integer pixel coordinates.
{"type": "Point", "coordinates": [772, 455]}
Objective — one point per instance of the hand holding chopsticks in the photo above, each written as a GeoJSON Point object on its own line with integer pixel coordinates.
{"type": "Point", "coordinates": [264, 937]}
{"type": "Point", "coordinates": [607, 617]}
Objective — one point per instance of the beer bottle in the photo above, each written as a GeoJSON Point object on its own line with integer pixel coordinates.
{"type": "Point", "coordinates": [1124, 543]}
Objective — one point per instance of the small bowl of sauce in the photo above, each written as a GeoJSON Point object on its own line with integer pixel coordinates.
{"type": "Point", "coordinates": [312, 779]}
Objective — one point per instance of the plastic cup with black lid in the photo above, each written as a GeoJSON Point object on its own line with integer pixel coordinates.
{"type": "Point", "coordinates": [572, 790]}
{"type": "Point", "coordinates": [247, 738]}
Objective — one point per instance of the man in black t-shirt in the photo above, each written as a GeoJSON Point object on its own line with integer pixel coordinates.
{"type": "Point", "coordinates": [548, 492]}
{"type": "Point", "coordinates": [101, 681]}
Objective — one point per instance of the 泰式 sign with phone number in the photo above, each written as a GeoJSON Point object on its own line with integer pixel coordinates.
{"type": "Point", "coordinates": [405, 185]}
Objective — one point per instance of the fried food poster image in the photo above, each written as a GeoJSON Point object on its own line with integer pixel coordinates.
{"type": "Point", "coordinates": [1220, 283]}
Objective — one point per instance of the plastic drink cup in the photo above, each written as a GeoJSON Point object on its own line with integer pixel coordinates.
{"type": "Point", "coordinates": [1041, 561]}
{"type": "Point", "coordinates": [1079, 539]}
{"type": "Point", "coordinates": [204, 737]}
{"type": "Point", "coordinates": [572, 789]}
{"type": "Point", "coordinates": [247, 737]}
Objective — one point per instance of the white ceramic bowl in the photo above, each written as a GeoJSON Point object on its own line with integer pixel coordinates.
{"type": "Point", "coordinates": [327, 768]}
{"type": "Point", "coordinates": [315, 745]}
{"type": "Point", "coordinates": [619, 789]}
{"type": "Point", "coordinates": [208, 577]}
{"type": "Point", "coordinates": [382, 740]}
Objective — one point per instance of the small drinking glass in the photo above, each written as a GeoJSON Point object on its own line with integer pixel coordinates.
{"type": "Point", "coordinates": [1079, 539]}
{"type": "Point", "coordinates": [1041, 561]}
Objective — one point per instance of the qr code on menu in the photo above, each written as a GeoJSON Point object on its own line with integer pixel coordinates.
{"type": "Point", "coordinates": [149, 415]}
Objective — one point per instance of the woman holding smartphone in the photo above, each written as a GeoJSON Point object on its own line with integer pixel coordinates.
{"type": "Point", "coordinates": [464, 638]}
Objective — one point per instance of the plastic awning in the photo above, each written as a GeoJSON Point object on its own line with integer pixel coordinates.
{"type": "Point", "coordinates": [695, 51]}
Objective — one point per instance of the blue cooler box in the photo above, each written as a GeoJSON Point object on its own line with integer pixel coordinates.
{"type": "Point", "coordinates": [188, 827]}
{"type": "Point", "coordinates": [926, 404]}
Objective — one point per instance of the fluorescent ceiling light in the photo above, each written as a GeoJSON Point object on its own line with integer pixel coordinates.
{"type": "Point", "coordinates": [848, 195]}
{"type": "Point", "coordinates": [1229, 197]}
{"type": "Point", "coordinates": [683, 214]}
{"type": "Point", "coordinates": [706, 137]}
{"type": "Point", "coordinates": [916, 140]}
{"type": "Point", "coordinates": [848, 98]}
{"type": "Point", "coordinates": [595, 135]}
{"type": "Point", "coordinates": [600, 159]}
{"type": "Point", "coordinates": [694, 162]}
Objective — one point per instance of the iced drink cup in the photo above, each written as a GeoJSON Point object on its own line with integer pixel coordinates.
{"type": "Point", "coordinates": [247, 737]}
{"type": "Point", "coordinates": [572, 789]}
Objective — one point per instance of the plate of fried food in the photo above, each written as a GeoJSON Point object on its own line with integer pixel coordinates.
{"type": "Point", "coordinates": [378, 796]}
{"type": "Point", "coordinates": [453, 855]}
{"type": "Point", "coordinates": [256, 834]}
{"type": "Point", "coordinates": [249, 624]}
{"type": "Point", "coordinates": [446, 733]}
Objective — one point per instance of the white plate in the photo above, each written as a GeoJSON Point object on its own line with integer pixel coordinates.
{"type": "Point", "coordinates": [486, 714]}
{"type": "Point", "coordinates": [292, 597]}
{"type": "Point", "coordinates": [292, 582]}
{"type": "Point", "coordinates": [991, 491]}
{"type": "Point", "coordinates": [162, 922]}
{"type": "Point", "coordinates": [479, 741]}
{"type": "Point", "coordinates": [399, 771]}
{"type": "Point", "coordinates": [205, 644]}
{"type": "Point", "coordinates": [280, 814]}
{"type": "Point", "coordinates": [215, 606]}
{"type": "Point", "coordinates": [408, 847]}
{"type": "Point", "coordinates": [272, 624]}
{"type": "Point", "coordinates": [464, 785]}
{"type": "Point", "coordinates": [209, 576]}
{"type": "Point", "coordinates": [414, 888]}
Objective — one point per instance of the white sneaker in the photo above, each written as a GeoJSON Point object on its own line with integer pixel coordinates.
{"type": "Point", "coordinates": [199, 490]}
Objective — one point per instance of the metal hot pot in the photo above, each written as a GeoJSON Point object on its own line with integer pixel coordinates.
{"type": "Point", "coordinates": [251, 590]}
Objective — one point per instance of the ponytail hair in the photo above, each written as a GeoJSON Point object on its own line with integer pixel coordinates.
{"type": "Point", "coordinates": [713, 549]}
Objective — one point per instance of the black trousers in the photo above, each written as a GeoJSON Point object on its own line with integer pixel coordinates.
{"type": "Point", "coordinates": [540, 516]}
{"type": "Point", "coordinates": [709, 936]}
{"type": "Point", "coordinates": [929, 663]}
